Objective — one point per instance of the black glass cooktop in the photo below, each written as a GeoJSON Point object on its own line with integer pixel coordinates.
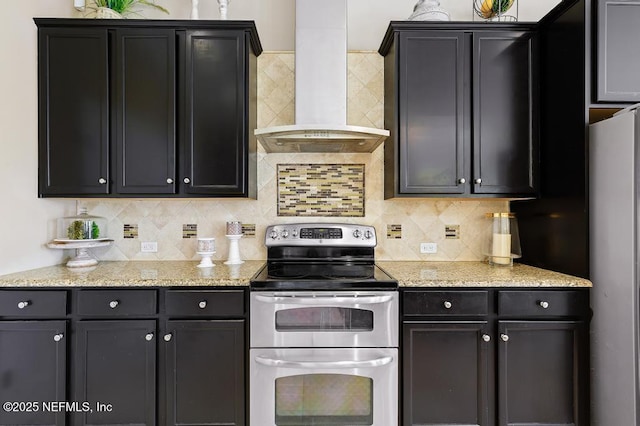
{"type": "Point", "coordinates": [321, 276]}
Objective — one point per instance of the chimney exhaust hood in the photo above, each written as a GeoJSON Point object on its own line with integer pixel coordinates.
{"type": "Point", "coordinates": [321, 87]}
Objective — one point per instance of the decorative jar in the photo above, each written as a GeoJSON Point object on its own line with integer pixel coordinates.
{"type": "Point", "coordinates": [81, 227]}
{"type": "Point", "coordinates": [502, 239]}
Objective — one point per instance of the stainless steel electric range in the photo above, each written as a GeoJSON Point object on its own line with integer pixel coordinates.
{"type": "Point", "coordinates": [324, 330]}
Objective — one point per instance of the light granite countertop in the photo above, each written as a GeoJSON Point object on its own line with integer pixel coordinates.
{"type": "Point", "coordinates": [162, 273]}
{"type": "Point", "coordinates": [186, 273]}
{"type": "Point", "coordinates": [476, 274]}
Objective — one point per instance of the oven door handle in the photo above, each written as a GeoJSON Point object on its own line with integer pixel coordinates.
{"type": "Point", "coordinates": [311, 300]}
{"type": "Point", "coordinates": [378, 362]}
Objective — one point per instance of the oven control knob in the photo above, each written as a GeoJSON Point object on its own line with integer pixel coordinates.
{"type": "Point", "coordinates": [368, 234]}
{"type": "Point", "coordinates": [357, 233]}
{"type": "Point", "coordinates": [273, 234]}
{"type": "Point", "coordinates": [294, 233]}
{"type": "Point", "coordinates": [284, 234]}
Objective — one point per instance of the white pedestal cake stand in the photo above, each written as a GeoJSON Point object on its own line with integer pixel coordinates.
{"type": "Point", "coordinates": [82, 258]}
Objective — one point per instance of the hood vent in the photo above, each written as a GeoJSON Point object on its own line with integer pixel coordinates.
{"type": "Point", "coordinates": [321, 87]}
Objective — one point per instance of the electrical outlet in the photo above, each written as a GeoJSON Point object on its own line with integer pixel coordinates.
{"type": "Point", "coordinates": [148, 246]}
{"type": "Point", "coordinates": [428, 248]}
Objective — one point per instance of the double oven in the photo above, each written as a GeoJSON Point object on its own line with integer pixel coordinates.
{"type": "Point", "coordinates": [324, 330]}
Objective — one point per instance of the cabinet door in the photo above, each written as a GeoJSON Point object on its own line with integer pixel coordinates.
{"type": "Point", "coordinates": [543, 375]}
{"type": "Point", "coordinates": [445, 373]}
{"type": "Point", "coordinates": [504, 126]}
{"type": "Point", "coordinates": [205, 372]}
{"type": "Point", "coordinates": [73, 122]}
{"type": "Point", "coordinates": [431, 99]}
{"type": "Point", "coordinates": [216, 112]}
{"type": "Point", "coordinates": [145, 140]}
{"type": "Point", "coordinates": [618, 51]}
{"type": "Point", "coordinates": [32, 369]}
{"type": "Point", "coordinates": [115, 365]}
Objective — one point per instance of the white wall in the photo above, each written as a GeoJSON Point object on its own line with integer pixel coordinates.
{"type": "Point", "coordinates": [26, 222]}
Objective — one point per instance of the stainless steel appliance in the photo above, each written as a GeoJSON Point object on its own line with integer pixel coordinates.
{"type": "Point", "coordinates": [324, 330]}
{"type": "Point", "coordinates": [614, 205]}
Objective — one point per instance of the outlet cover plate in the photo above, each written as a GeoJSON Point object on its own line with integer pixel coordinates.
{"type": "Point", "coordinates": [149, 246]}
{"type": "Point", "coordinates": [428, 248]}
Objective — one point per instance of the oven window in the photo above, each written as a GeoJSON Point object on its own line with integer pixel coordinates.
{"type": "Point", "coordinates": [324, 400]}
{"type": "Point", "coordinates": [324, 319]}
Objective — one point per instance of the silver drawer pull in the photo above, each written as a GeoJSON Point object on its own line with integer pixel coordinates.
{"type": "Point", "coordinates": [23, 304]}
{"type": "Point", "coordinates": [504, 337]}
{"type": "Point", "coordinates": [447, 304]}
{"type": "Point", "coordinates": [167, 337]}
{"type": "Point", "coordinates": [486, 337]}
{"type": "Point", "coordinates": [58, 337]}
{"type": "Point", "coordinates": [543, 304]}
{"type": "Point", "coordinates": [202, 304]}
{"type": "Point", "coordinates": [149, 337]}
{"type": "Point", "coordinates": [114, 304]}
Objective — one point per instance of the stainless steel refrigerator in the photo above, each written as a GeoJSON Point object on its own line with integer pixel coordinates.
{"type": "Point", "coordinates": [614, 198]}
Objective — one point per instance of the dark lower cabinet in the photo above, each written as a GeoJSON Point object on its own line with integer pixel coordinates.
{"type": "Point", "coordinates": [467, 364]}
{"type": "Point", "coordinates": [205, 372]}
{"type": "Point", "coordinates": [447, 368]}
{"type": "Point", "coordinates": [542, 373]}
{"type": "Point", "coordinates": [115, 371]}
{"type": "Point", "coordinates": [33, 361]}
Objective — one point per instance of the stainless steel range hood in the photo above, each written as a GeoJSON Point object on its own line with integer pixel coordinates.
{"type": "Point", "coordinates": [321, 87]}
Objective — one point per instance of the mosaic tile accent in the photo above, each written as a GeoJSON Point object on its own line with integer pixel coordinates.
{"type": "Point", "coordinates": [394, 232]}
{"type": "Point", "coordinates": [189, 230]}
{"type": "Point", "coordinates": [321, 190]}
{"type": "Point", "coordinates": [130, 231]}
{"type": "Point", "coordinates": [452, 232]}
{"type": "Point", "coordinates": [249, 230]}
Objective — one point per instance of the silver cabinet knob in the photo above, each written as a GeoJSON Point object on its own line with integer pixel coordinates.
{"type": "Point", "coordinates": [58, 337]}
{"type": "Point", "coordinates": [504, 337]}
{"type": "Point", "coordinates": [167, 337]}
{"type": "Point", "coordinates": [486, 337]}
{"type": "Point", "coordinates": [149, 337]}
{"type": "Point", "coordinates": [462, 180]}
{"type": "Point", "coordinates": [478, 181]}
{"type": "Point", "coordinates": [186, 180]}
{"type": "Point", "coordinates": [202, 304]}
{"type": "Point", "coordinates": [543, 304]}
{"type": "Point", "coordinates": [447, 304]}
{"type": "Point", "coordinates": [23, 304]}
{"type": "Point", "coordinates": [102, 181]}
{"type": "Point", "coordinates": [114, 304]}
{"type": "Point", "coordinates": [169, 180]}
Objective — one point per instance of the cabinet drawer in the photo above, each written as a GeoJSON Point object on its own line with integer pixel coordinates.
{"type": "Point", "coordinates": [541, 303]}
{"type": "Point", "coordinates": [33, 303]}
{"type": "Point", "coordinates": [116, 303]}
{"type": "Point", "coordinates": [209, 303]}
{"type": "Point", "coordinates": [451, 302]}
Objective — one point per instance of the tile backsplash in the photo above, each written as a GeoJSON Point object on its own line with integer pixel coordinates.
{"type": "Point", "coordinates": [401, 224]}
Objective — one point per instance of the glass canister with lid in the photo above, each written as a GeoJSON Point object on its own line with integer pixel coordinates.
{"type": "Point", "coordinates": [81, 227]}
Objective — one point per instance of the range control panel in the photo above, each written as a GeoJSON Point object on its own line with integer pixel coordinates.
{"type": "Point", "coordinates": [320, 234]}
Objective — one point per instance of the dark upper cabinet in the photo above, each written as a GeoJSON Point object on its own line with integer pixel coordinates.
{"type": "Point", "coordinates": [73, 89]}
{"type": "Point", "coordinates": [219, 151]}
{"type": "Point", "coordinates": [144, 111]}
{"type": "Point", "coordinates": [147, 108]}
{"type": "Point", "coordinates": [618, 55]}
{"type": "Point", "coordinates": [460, 103]}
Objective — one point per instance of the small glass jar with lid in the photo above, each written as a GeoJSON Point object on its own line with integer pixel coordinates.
{"type": "Point", "coordinates": [502, 240]}
{"type": "Point", "coordinates": [82, 227]}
